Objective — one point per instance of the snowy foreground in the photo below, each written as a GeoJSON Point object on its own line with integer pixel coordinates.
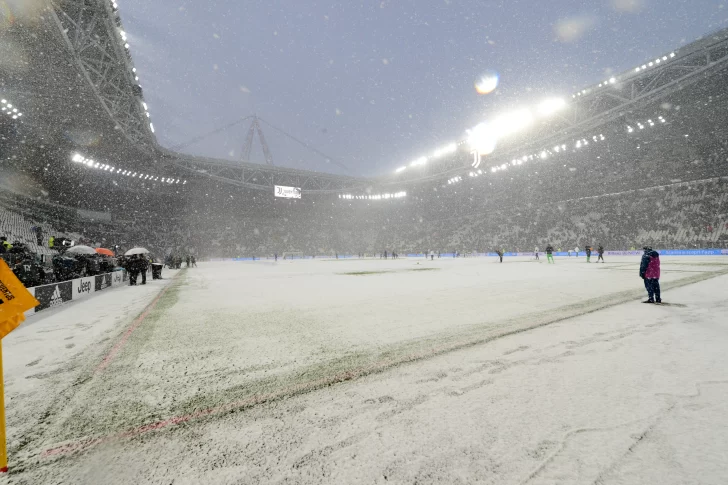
{"type": "Point", "coordinates": [452, 371]}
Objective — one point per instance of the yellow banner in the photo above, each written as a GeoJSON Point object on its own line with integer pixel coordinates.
{"type": "Point", "coordinates": [15, 300]}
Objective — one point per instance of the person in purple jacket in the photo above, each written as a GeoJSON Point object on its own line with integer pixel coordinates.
{"type": "Point", "coordinates": [650, 273]}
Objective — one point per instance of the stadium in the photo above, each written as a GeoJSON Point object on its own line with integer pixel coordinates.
{"type": "Point", "coordinates": [299, 351]}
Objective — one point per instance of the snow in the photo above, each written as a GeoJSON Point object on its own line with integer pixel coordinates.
{"type": "Point", "coordinates": [469, 372]}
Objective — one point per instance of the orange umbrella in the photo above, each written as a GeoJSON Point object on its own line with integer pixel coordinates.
{"type": "Point", "coordinates": [105, 252]}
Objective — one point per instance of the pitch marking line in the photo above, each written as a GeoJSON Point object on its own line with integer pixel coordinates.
{"type": "Point", "coordinates": [135, 324]}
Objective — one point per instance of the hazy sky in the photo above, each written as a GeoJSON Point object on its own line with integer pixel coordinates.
{"type": "Point", "coordinates": [376, 84]}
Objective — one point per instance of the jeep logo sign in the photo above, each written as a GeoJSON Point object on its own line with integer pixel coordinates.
{"type": "Point", "coordinates": [83, 287]}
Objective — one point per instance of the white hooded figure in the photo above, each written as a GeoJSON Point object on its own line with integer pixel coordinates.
{"type": "Point", "coordinates": [576, 250]}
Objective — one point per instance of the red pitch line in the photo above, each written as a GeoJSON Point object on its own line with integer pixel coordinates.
{"type": "Point", "coordinates": [380, 365]}
{"type": "Point", "coordinates": [135, 324]}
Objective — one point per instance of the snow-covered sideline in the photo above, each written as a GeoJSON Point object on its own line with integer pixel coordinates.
{"type": "Point", "coordinates": [599, 389]}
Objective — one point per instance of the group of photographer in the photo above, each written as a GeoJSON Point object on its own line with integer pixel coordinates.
{"type": "Point", "coordinates": [70, 261]}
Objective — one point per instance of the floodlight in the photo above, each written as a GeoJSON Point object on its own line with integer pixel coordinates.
{"type": "Point", "coordinates": [550, 106]}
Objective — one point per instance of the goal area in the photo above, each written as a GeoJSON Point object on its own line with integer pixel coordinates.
{"type": "Point", "coordinates": [293, 255]}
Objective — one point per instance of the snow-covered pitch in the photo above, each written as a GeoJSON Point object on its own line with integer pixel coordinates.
{"type": "Point", "coordinates": [373, 371]}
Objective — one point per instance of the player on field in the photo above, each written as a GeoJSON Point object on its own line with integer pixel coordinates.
{"type": "Point", "coordinates": [535, 250]}
{"type": "Point", "coordinates": [550, 254]}
{"type": "Point", "coordinates": [600, 252]}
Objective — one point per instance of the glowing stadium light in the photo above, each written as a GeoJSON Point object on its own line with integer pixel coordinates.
{"type": "Point", "coordinates": [637, 69]}
{"type": "Point", "coordinates": [446, 150]}
{"type": "Point", "coordinates": [672, 54]}
{"type": "Point", "coordinates": [77, 157]}
{"type": "Point", "coordinates": [512, 122]}
{"type": "Point", "coordinates": [400, 192]}
{"type": "Point", "coordinates": [644, 66]}
{"type": "Point", "coordinates": [563, 147]}
{"type": "Point", "coordinates": [578, 144]}
{"type": "Point", "coordinates": [419, 161]}
{"type": "Point", "coordinates": [400, 169]}
{"type": "Point", "coordinates": [664, 58]}
{"type": "Point", "coordinates": [629, 129]}
{"type": "Point", "coordinates": [544, 155]}
{"type": "Point", "coordinates": [151, 127]}
{"type": "Point", "coordinates": [657, 61]}
{"type": "Point", "coordinates": [612, 80]}
{"type": "Point", "coordinates": [551, 106]}
{"type": "Point", "coordinates": [482, 139]}
{"type": "Point", "coordinates": [4, 101]}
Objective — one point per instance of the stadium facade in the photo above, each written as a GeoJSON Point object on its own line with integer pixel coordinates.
{"type": "Point", "coordinates": [654, 128]}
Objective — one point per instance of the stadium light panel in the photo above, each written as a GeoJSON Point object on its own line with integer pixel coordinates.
{"type": "Point", "coordinates": [636, 69]}
{"type": "Point", "coordinates": [400, 169]}
{"type": "Point", "coordinates": [4, 101]}
{"type": "Point", "coordinates": [650, 64]}
{"type": "Point", "coordinates": [612, 80]}
{"type": "Point", "coordinates": [151, 127]}
{"type": "Point", "coordinates": [664, 58]}
{"type": "Point", "coordinates": [551, 106]}
{"type": "Point", "coordinates": [644, 66]}
{"type": "Point", "coordinates": [672, 54]}
{"type": "Point", "coordinates": [657, 61]}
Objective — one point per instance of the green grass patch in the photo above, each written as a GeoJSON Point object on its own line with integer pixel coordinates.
{"type": "Point", "coordinates": [364, 273]}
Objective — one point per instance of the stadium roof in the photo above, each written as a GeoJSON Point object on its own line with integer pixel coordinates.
{"type": "Point", "coordinates": [72, 75]}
